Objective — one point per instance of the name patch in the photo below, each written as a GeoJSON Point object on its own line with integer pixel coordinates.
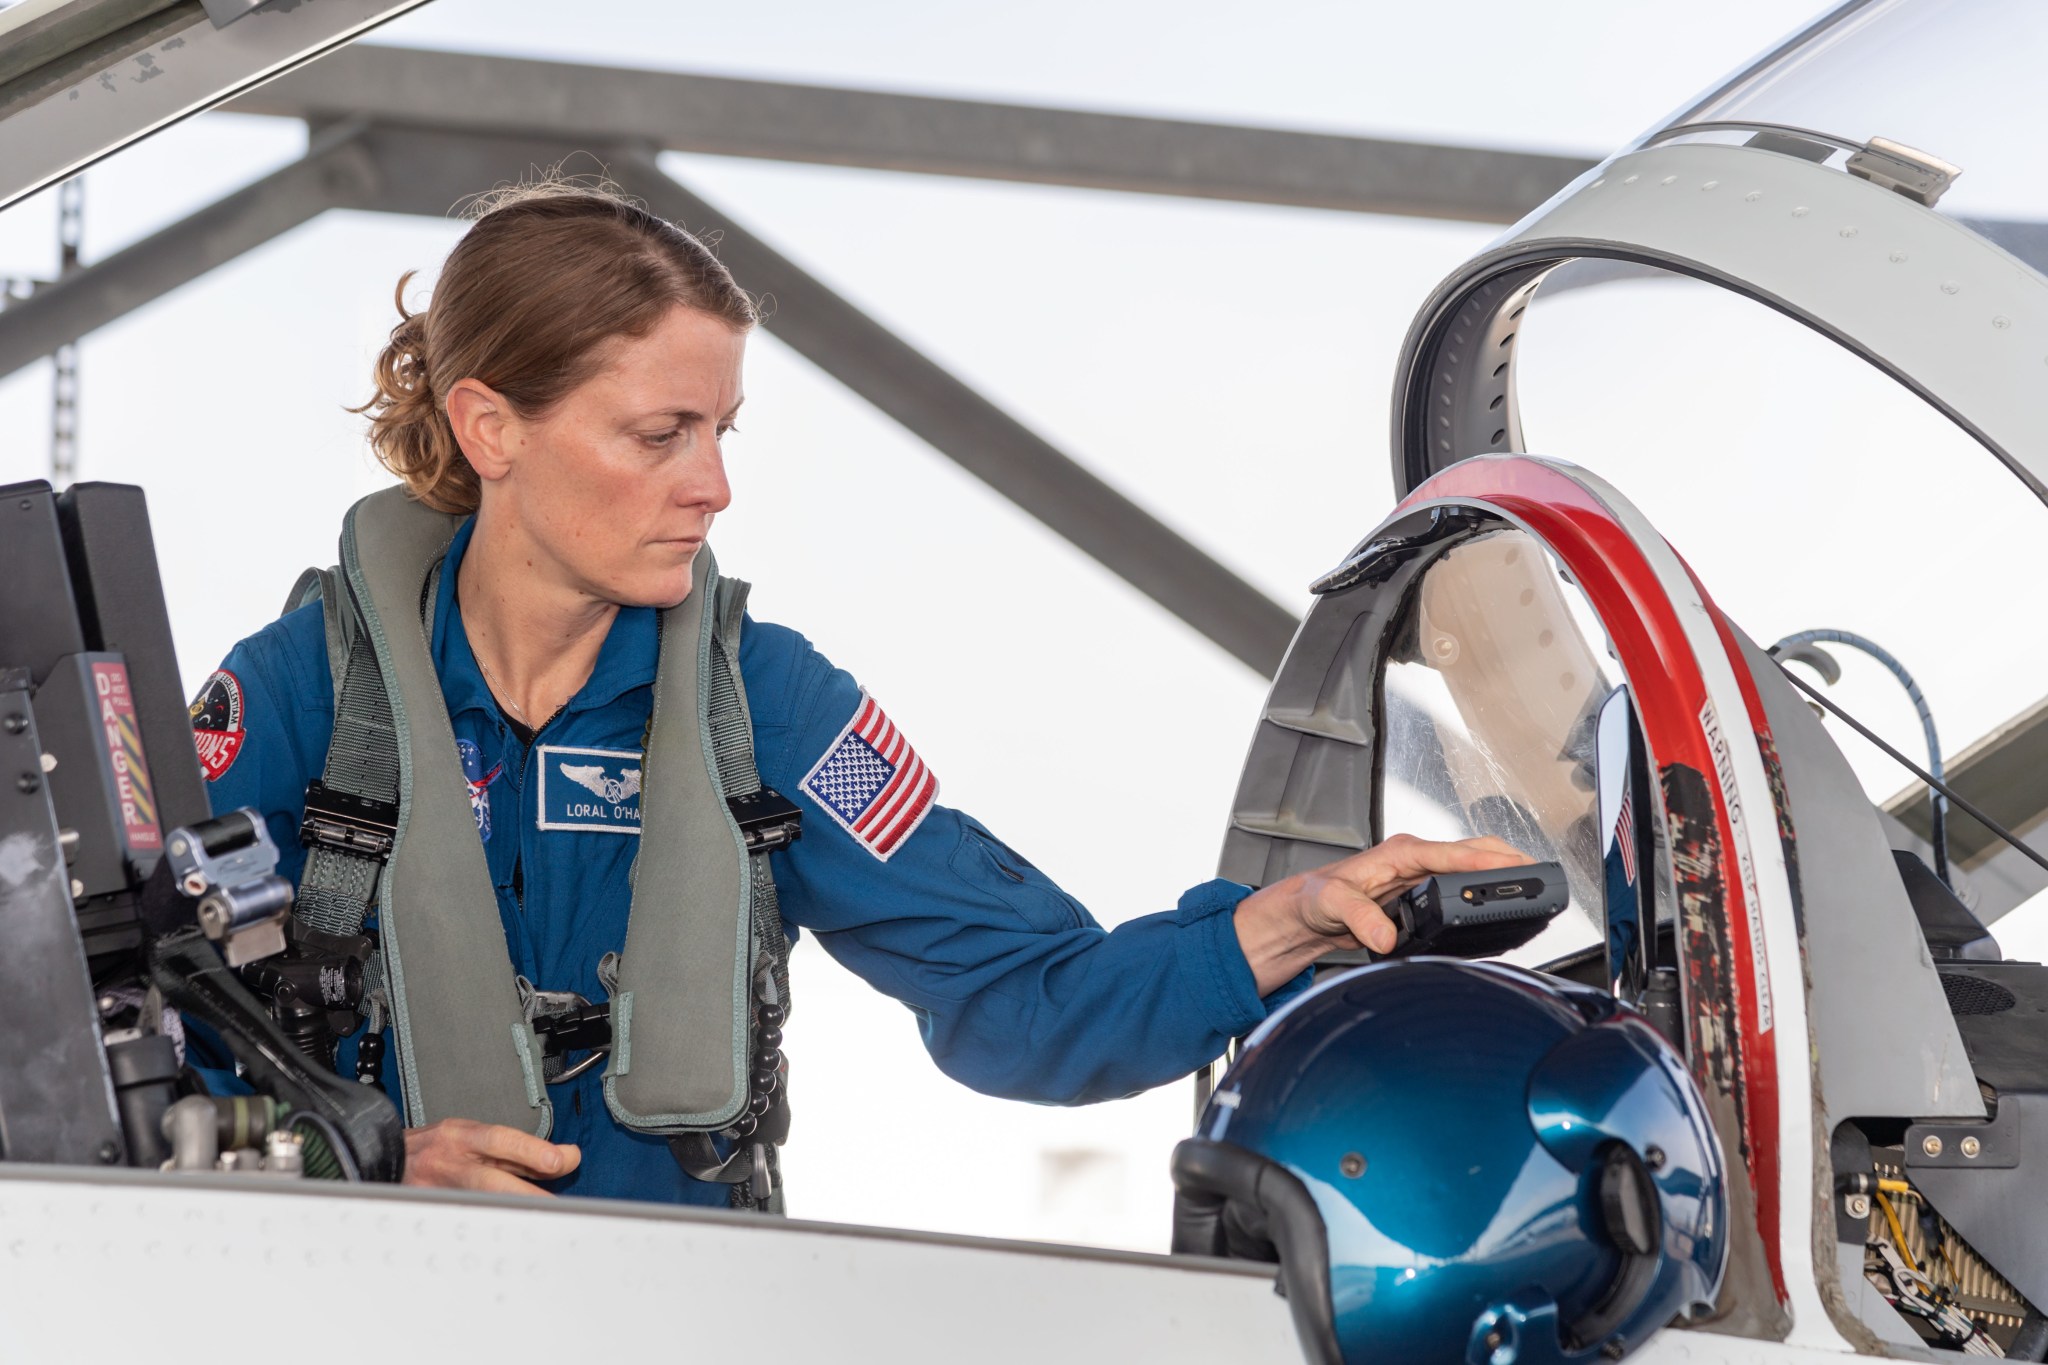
{"type": "Point", "coordinates": [594, 789]}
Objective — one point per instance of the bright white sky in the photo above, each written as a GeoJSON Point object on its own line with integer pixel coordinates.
{"type": "Point", "coordinates": [1227, 365]}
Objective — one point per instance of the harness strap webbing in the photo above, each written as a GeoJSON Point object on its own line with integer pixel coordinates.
{"type": "Point", "coordinates": [365, 762]}
{"type": "Point", "coordinates": [732, 746]}
{"type": "Point", "coordinates": [732, 741]}
{"type": "Point", "coordinates": [338, 887]}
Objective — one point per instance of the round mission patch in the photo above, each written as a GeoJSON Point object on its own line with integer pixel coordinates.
{"type": "Point", "coordinates": [217, 723]}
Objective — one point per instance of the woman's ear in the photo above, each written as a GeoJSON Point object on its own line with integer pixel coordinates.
{"type": "Point", "coordinates": [483, 423]}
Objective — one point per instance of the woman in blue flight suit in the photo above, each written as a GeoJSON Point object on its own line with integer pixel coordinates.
{"type": "Point", "coordinates": [569, 386]}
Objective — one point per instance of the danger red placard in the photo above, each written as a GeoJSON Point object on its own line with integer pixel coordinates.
{"type": "Point", "coordinates": [132, 790]}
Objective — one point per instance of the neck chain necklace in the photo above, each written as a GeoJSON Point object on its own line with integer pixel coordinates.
{"type": "Point", "coordinates": [502, 693]}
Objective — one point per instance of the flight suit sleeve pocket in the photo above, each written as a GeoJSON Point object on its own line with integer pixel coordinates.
{"type": "Point", "coordinates": [992, 867]}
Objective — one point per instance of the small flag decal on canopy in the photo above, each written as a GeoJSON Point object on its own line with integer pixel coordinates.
{"type": "Point", "coordinates": [1625, 837]}
{"type": "Point", "coordinates": [872, 782]}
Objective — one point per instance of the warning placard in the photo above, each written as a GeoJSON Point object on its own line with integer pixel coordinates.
{"type": "Point", "coordinates": [132, 792]}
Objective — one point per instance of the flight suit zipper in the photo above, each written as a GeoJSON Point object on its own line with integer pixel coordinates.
{"type": "Point", "coordinates": [531, 745]}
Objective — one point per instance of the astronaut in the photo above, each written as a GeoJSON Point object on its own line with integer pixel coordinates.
{"type": "Point", "coordinates": [546, 772]}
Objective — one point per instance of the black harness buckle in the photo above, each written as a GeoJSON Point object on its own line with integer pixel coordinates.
{"type": "Point", "coordinates": [361, 826]}
{"type": "Point", "coordinates": [768, 820]}
{"type": "Point", "coordinates": [573, 1030]}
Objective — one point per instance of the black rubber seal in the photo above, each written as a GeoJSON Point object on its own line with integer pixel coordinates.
{"type": "Point", "coordinates": [1231, 1201]}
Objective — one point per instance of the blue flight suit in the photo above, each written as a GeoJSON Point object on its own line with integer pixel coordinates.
{"type": "Point", "coordinates": [1017, 990]}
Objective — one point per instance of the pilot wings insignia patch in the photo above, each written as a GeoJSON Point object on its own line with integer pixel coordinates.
{"type": "Point", "coordinates": [590, 789]}
{"type": "Point", "coordinates": [872, 783]}
{"type": "Point", "coordinates": [612, 789]}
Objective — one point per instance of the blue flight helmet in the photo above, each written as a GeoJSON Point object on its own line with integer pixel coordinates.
{"type": "Point", "coordinates": [1461, 1162]}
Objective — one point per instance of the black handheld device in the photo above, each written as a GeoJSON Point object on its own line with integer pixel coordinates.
{"type": "Point", "coordinates": [1479, 914]}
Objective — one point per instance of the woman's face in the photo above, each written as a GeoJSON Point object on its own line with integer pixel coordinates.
{"type": "Point", "coordinates": [618, 483]}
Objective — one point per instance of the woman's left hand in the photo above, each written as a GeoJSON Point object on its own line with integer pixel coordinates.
{"type": "Point", "coordinates": [1288, 925]}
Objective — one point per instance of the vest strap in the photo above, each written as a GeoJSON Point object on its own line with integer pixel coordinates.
{"type": "Point", "coordinates": [681, 1051]}
{"type": "Point", "coordinates": [464, 1047]}
{"type": "Point", "coordinates": [752, 1165]}
{"type": "Point", "coordinates": [340, 881]}
{"type": "Point", "coordinates": [732, 742]}
{"type": "Point", "coordinates": [697, 1001]}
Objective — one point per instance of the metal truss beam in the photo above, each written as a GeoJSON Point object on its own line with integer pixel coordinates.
{"type": "Point", "coordinates": [983, 439]}
{"type": "Point", "coordinates": [431, 173]}
{"type": "Point", "coordinates": [585, 106]}
{"type": "Point", "coordinates": [74, 96]}
{"type": "Point", "coordinates": [2002, 774]}
{"type": "Point", "coordinates": [417, 172]}
{"type": "Point", "coordinates": [337, 171]}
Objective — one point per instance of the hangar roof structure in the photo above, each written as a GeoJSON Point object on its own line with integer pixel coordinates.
{"type": "Point", "coordinates": [407, 131]}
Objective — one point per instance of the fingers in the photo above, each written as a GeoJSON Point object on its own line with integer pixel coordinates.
{"type": "Point", "coordinates": [465, 1154]}
{"type": "Point", "coordinates": [1357, 888]}
{"type": "Point", "coordinates": [1402, 860]}
{"type": "Point", "coordinates": [1415, 857]}
{"type": "Point", "coordinates": [1372, 926]}
{"type": "Point", "coordinates": [491, 1180]}
{"type": "Point", "coordinates": [1283, 927]}
{"type": "Point", "coordinates": [523, 1153]}
{"type": "Point", "coordinates": [1341, 902]}
{"type": "Point", "coordinates": [1492, 845]}
{"type": "Point", "coordinates": [567, 1157]}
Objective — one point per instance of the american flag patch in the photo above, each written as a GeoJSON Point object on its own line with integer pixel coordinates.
{"type": "Point", "coordinates": [872, 782]}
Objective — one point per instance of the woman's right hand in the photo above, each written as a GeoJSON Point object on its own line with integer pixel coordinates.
{"type": "Point", "coordinates": [1287, 925]}
{"type": "Point", "coordinates": [462, 1154]}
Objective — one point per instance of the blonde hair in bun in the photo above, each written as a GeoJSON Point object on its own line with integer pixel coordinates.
{"type": "Point", "coordinates": [546, 275]}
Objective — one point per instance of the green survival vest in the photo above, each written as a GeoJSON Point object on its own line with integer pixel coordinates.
{"type": "Point", "coordinates": [699, 993]}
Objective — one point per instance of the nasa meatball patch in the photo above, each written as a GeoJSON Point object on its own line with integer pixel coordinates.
{"type": "Point", "coordinates": [872, 782]}
{"type": "Point", "coordinates": [591, 789]}
{"type": "Point", "coordinates": [217, 730]}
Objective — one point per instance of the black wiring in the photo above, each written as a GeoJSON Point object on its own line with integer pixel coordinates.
{"type": "Point", "coordinates": [1967, 807]}
{"type": "Point", "coordinates": [1788, 649]}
